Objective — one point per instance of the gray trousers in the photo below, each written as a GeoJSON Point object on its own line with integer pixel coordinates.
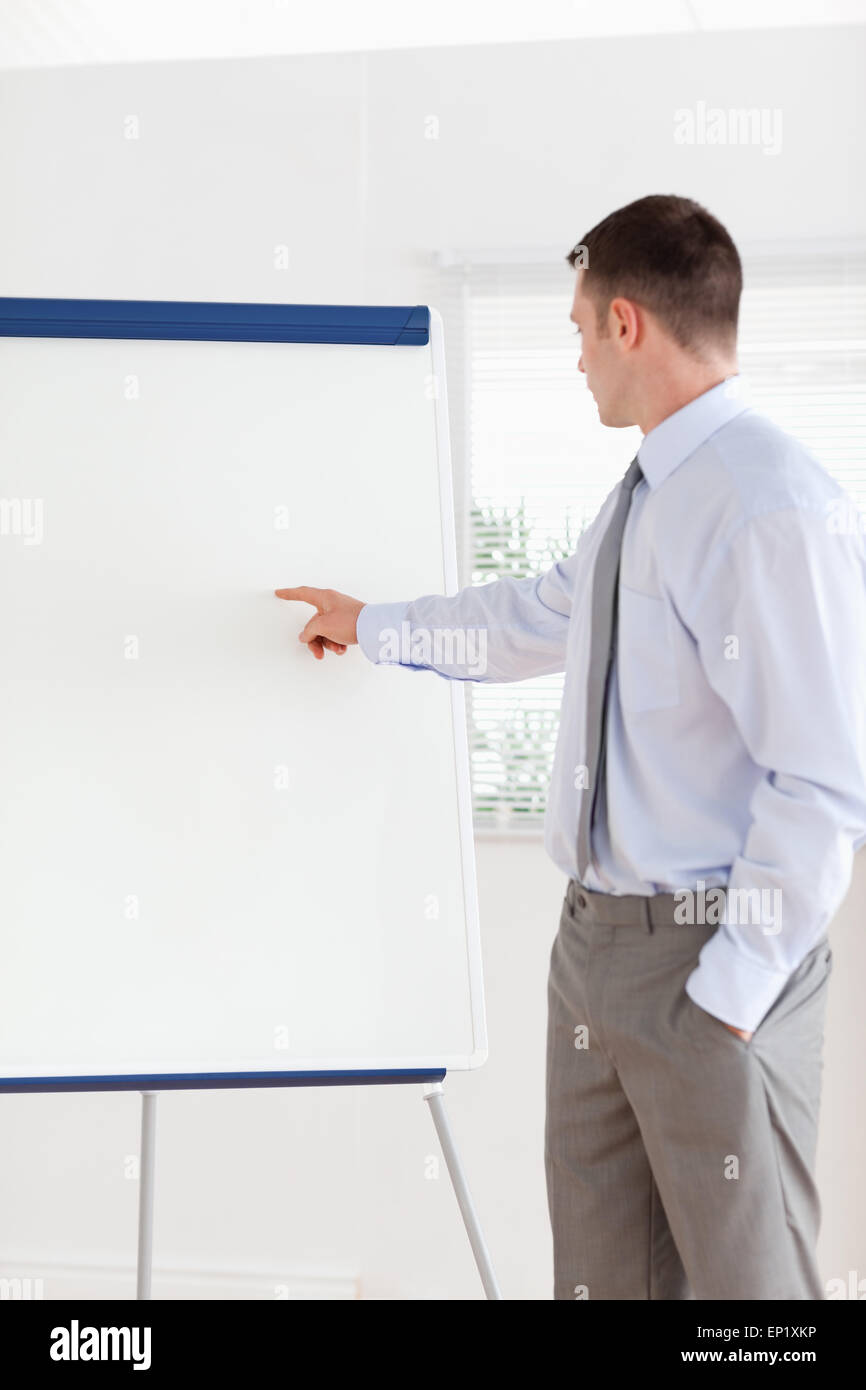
{"type": "Point", "coordinates": [679, 1157]}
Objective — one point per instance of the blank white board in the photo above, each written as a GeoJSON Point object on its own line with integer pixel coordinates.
{"type": "Point", "coordinates": [221, 861]}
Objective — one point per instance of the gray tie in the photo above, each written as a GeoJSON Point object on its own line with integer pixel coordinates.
{"type": "Point", "coordinates": [605, 584]}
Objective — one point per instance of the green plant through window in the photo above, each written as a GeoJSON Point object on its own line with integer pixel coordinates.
{"type": "Point", "coordinates": [512, 741]}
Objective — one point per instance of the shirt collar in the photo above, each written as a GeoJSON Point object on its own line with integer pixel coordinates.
{"type": "Point", "coordinates": [666, 446]}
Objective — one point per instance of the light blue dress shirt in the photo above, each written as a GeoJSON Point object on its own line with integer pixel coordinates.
{"type": "Point", "coordinates": [736, 751]}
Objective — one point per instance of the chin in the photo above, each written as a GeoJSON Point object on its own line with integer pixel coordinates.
{"type": "Point", "coordinates": [607, 415]}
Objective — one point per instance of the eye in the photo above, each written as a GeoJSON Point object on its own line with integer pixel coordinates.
{"type": "Point", "coordinates": [577, 331]}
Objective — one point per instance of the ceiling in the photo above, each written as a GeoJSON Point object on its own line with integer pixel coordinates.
{"type": "Point", "coordinates": [54, 33]}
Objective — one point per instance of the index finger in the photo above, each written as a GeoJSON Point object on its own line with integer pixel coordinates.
{"type": "Point", "coordinates": [304, 593]}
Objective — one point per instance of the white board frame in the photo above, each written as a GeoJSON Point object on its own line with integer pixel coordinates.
{"type": "Point", "coordinates": [388, 325]}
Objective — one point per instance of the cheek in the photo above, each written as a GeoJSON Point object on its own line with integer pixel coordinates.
{"type": "Point", "coordinates": [596, 361]}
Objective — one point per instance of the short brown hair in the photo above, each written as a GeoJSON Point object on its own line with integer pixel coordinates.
{"type": "Point", "coordinates": [673, 257]}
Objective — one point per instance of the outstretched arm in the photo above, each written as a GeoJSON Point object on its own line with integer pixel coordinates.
{"type": "Point", "coordinates": [508, 630]}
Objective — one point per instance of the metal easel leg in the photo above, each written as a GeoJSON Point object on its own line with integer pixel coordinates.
{"type": "Point", "coordinates": [433, 1094]}
{"type": "Point", "coordinates": [146, 1175]}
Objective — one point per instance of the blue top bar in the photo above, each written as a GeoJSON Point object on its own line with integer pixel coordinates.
{"type": "Point", "coordinates": [387, 325]}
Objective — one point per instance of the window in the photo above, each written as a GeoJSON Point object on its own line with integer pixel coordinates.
{"type": "Point", "coordinates": [533, 464]}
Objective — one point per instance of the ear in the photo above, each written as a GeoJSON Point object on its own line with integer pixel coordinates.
{"type": "Point", "coordinates": [624, 322]}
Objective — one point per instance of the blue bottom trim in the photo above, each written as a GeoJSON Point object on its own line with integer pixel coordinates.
{"type": "Point", "coordinates": [195, 1081]}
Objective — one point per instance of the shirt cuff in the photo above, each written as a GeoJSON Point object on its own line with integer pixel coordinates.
{"type": "Point", "coordinates": [730, 986]}
{"type": "Point", "coordinates": [379, 630]}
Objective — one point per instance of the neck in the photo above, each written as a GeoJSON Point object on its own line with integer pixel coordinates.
{"type": "Point", "coordinates": [667, 390]}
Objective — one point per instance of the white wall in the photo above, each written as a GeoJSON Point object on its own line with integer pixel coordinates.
{"type": "Point", "coordinates": [328, 1193]}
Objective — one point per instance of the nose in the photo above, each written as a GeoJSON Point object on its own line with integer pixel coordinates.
{"type": "Point", "coordinates": [580, 366]}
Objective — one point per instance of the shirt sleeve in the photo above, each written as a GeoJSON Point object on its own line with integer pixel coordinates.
{"type": "Point", "coordinates": [508, 630]}
{"type": "Point", "coordinates": [781, 633]}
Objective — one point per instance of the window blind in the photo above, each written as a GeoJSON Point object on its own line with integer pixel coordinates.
{"type": "Point", "coordinates": [533, 465]}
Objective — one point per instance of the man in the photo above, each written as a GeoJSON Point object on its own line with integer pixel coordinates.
{"type": "Point", "coordinates": [708, 790]}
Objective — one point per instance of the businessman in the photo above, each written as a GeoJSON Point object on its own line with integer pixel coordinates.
{"type": "Point", "coordinates": [708, 789]}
